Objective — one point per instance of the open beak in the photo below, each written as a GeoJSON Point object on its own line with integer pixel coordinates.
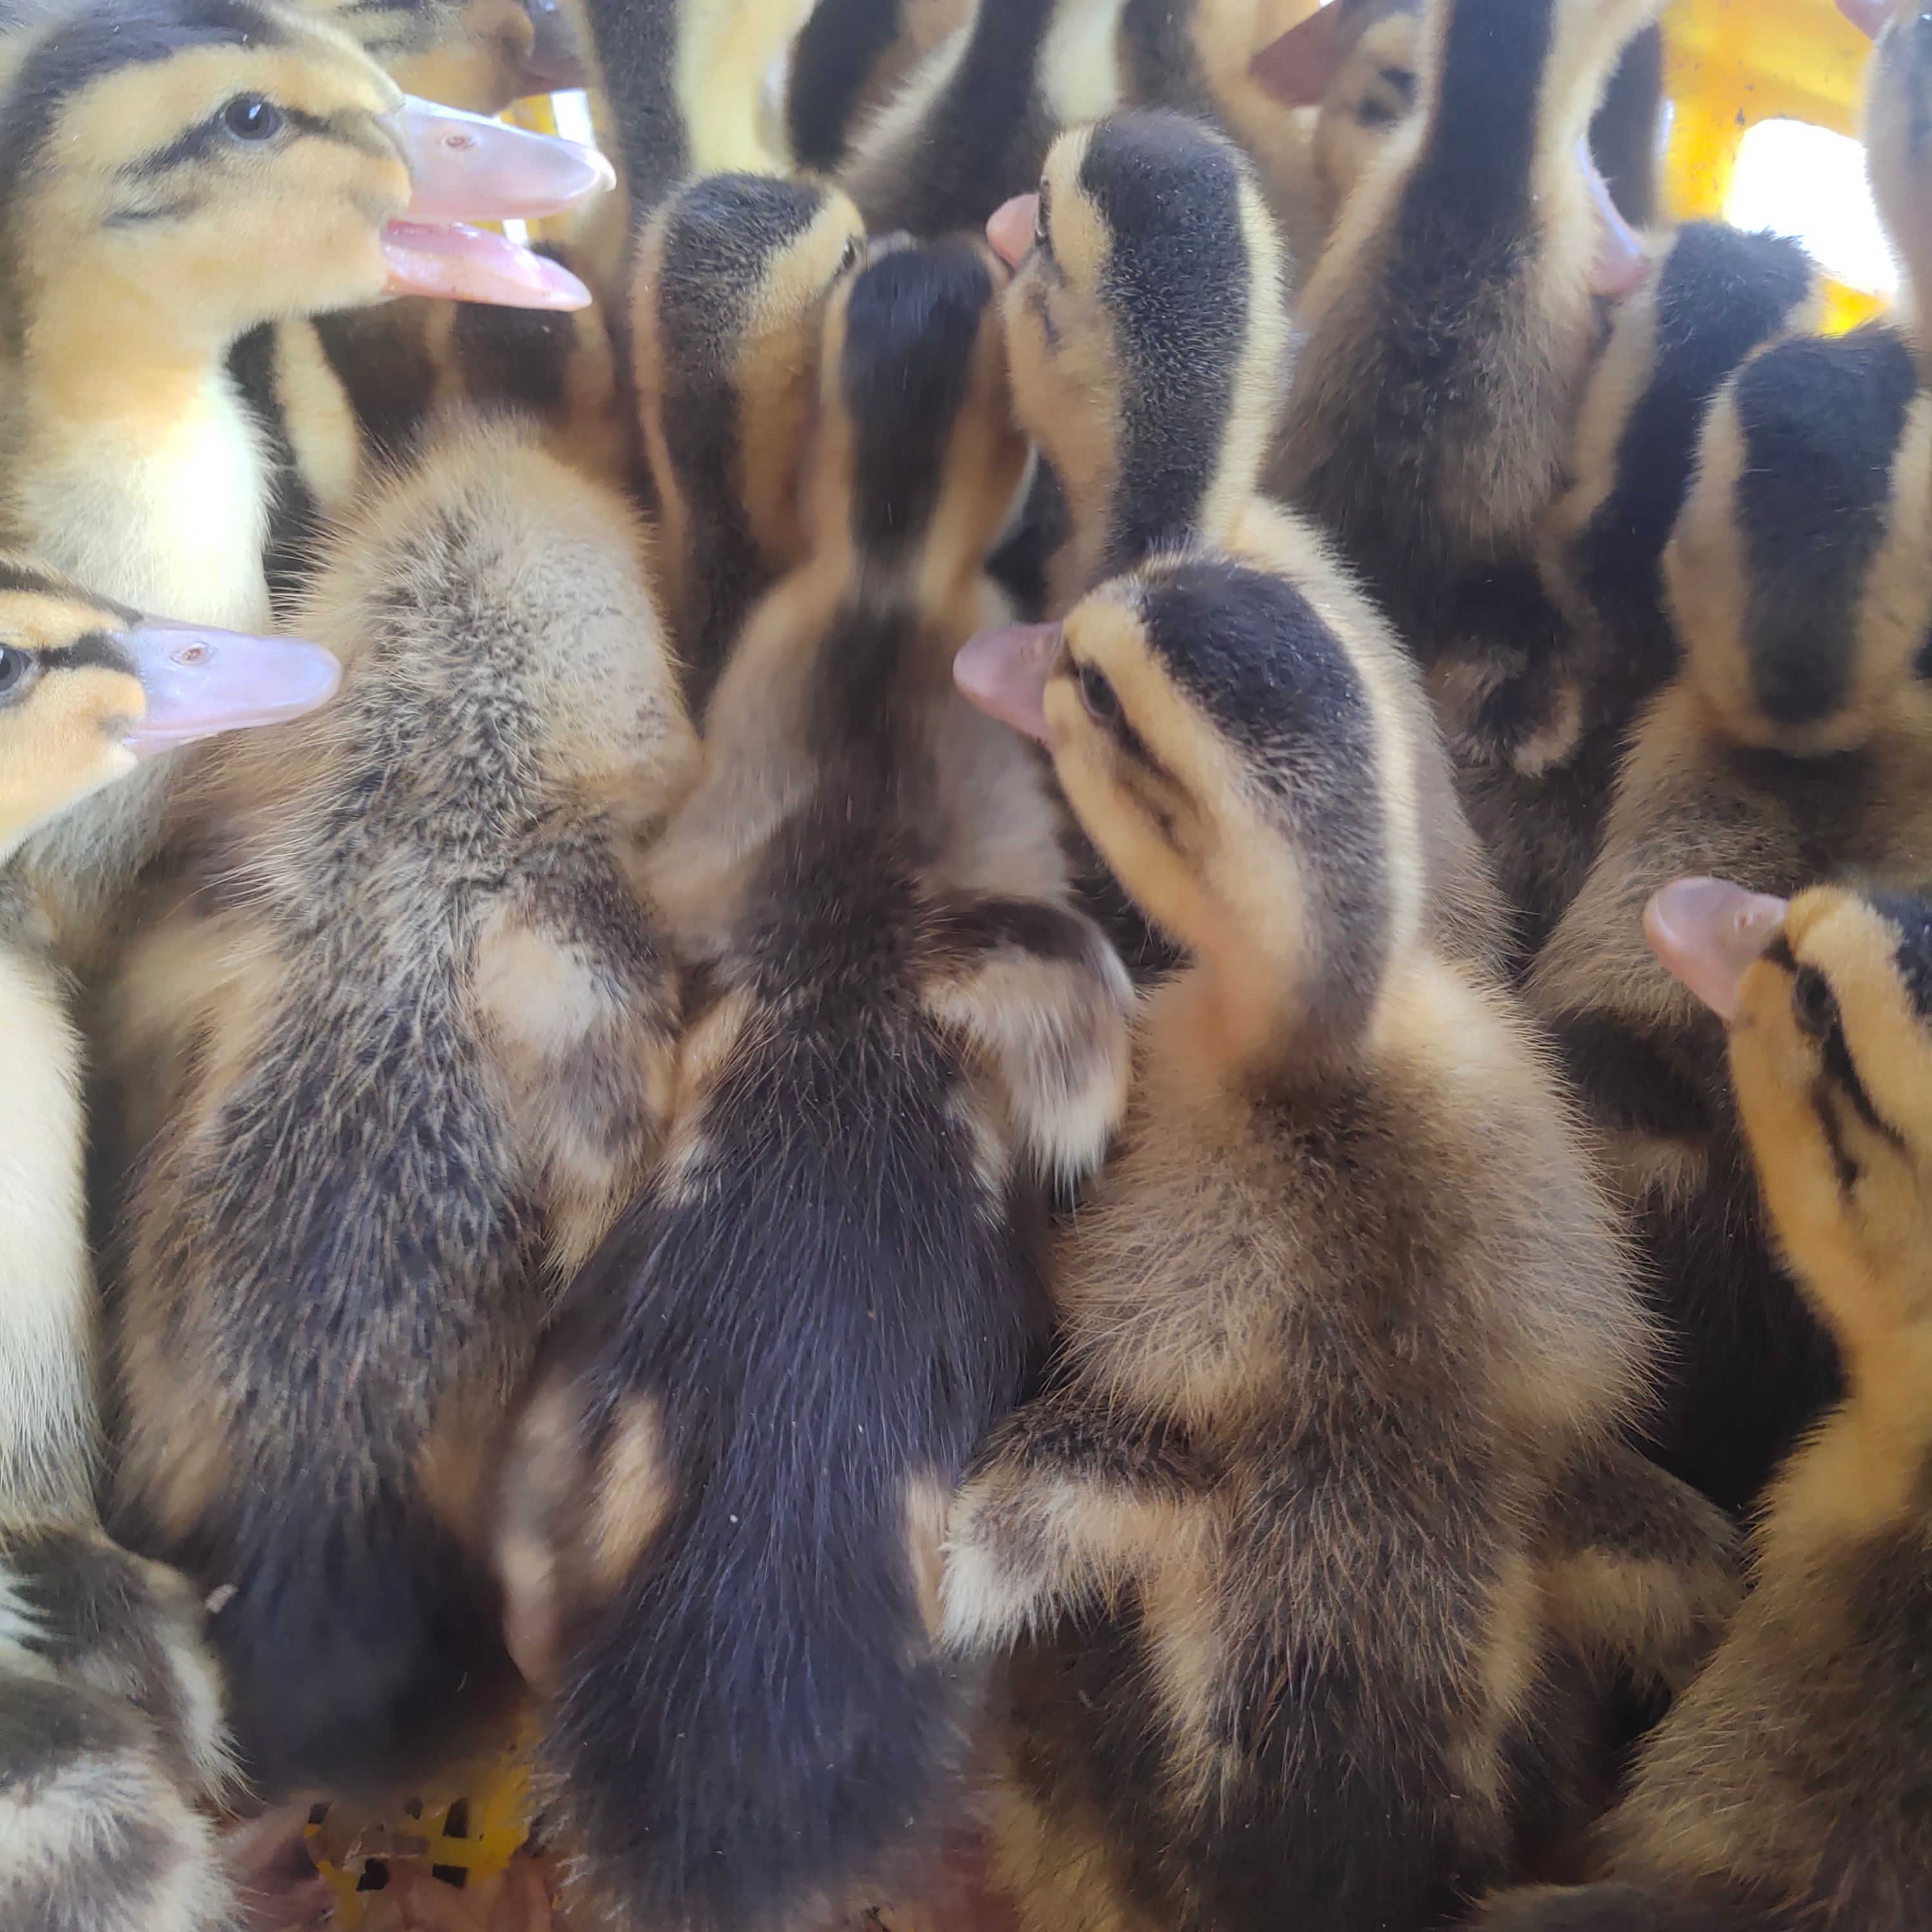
{"type": "Point", "coordinates": [1707, 932]}
{"type": "Point", "coordinates": [1298, 69]}
{"type": "Point", "coordinates": [199, 681]}
{"type": "Point", "coordinates": [465, 168]}
{"type": "Point", "coordinates": [1005, 672]}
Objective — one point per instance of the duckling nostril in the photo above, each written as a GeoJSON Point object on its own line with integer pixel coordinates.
{"type": "Point", "coordinates": [192, 654]}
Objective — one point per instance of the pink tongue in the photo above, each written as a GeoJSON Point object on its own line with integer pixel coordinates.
{"type": "Point", "coordinates": [476, 264]}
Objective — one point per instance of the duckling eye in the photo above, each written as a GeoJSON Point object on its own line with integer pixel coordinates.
{"type": "Point", "coordinates": [1812, 1004]}
{"type": "Point", "coordinates": [1101, 700]}
{"type": "Point", "coordinates": [14, 666]}
{"type": "Point", "coordinates": [848, 256]}
{"type": "Point", "coordinates": [1039, 234]}
{"type": "Point", "coordinates": [249, 118]}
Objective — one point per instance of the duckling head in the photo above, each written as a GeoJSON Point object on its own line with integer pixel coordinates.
{"type": "Point", "coordinates": [1372, 93]}
{"type": "Point", "coordinates": [919, 460]}
{"type": "Point", "coordinates": [1798, 576]}
{"type": "Point", "coordinates": [1243, 748]}
{"type": "Point", "coordinates": [1829, 1002]}
{"type": "Point", "coordinates": [1148, 333]}
{"type": "Point", "coordinates": [206, 166]}
{"type": "Point", "coordinates": [87, 690]}
{"type": "Point", "coordinates": [728, 303]}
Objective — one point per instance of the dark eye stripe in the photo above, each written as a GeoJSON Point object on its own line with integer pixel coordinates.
{"type": "Point", "coordinates": [99, 650]}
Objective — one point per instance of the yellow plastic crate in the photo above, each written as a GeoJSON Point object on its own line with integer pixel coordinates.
{"type": "Point", "coordinates": [1730, 63]}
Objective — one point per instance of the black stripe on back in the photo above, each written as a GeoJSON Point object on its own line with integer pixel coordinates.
{"type": "Point", "coordinates": [912, 319]}
{"type": "Point", "coordinates": [1251, 653]}
{"type": "Point", "coordinates": [1176, 284]}
{"type": "Point", "coordinates": [1719, 293]}
{"type": "Point", "coordinates": [720, 241]}
{"type": "Point", "coordinates": [1157, 50]}
{"type": "Point", "coordinates": [841, 44]}
{"type": "Point", "coordinates": [635, 42]}
{"type": "Point", "coordinates": [1821, 421]}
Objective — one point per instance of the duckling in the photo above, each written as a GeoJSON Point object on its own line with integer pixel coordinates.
{"type": "Point", "coordinates": [405, 996]}
{"type": "Point", "coordinates": [732, 278]}
{"type": "Point", "coordinates": [110, 1705]}
{"type": "Point", "coordinates": [1147, 333]}
{"type": "Point", "coordinates": [1268, 1553]}
{"type": "Point", "coordinates": [1783, 1790]}
{"type": "Point", "coordinates": [1791, 744]}
{"type": "Point", "coordinates": [1450, 322]}
{"type": "Point", "coordinates": [1538, 796]}
{"type": "Point", "coordinates": [727, 1494]}
{"type": "Point", "coordinates": [173, 174]}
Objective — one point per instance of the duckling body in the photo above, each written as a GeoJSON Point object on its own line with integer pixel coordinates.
{"type": "Point", "coordinates": [732, 278]}
{"type": "Point", "coordinates": [729, 1495]}
{"type": "Point", "coordinates": [413, 929]}
{"type": "Point", "coordinates": [1780, 1791]}
{"type": "Point", "coordinates": [1273, 1553]}
{"type": "Point", "coordinates": [1790, 745]}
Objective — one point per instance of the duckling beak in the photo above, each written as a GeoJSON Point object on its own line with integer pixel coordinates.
{"type": "Point", "coordinates": [1005, 673]}
{"type": "Point", "coordinates": [467, 167]}
{"type": "Point", "coordinates": [1707, 931]}
{"type": "Point", "coordinates": [475, 265]}
{"type": "Point", "coordinates": [1621, 260]}
{"type": "Point", "coordinates": [1010, 227]}
{"type": "Point", "coordinates": [1869, 17]}
{"type": "Point", "coordinates": [555, 61]}
{"type": "Point", "coordinates": [199, 681]}
{"type": "Point", "coordinates": [1299, 68]}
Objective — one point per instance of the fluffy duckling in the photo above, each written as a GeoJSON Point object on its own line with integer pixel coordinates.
{"type": "Point", "coordinates": [1450, 321]}
{"type": "Point", "coordinates": [1147, 333]}
{"type": "Point", "coordinates": [729, 299]}
{"type": "Point", "coordinates": [1792, 743]}
{"type": "Point", "coordinates": [728, 1495]}
{"type": "Point", "coordinates": [407, 1025]}
{"type": "Point", "coordinates": [1538, 797]}
{"type": "Point", "coordinates": [1783, 1791]}
{"type": "Point", "coordinates": [1269, 1551]}
{"type": "Point", "coordinates": [109, 1707]}
{"type": "Point", "coordinates": [173, 173]}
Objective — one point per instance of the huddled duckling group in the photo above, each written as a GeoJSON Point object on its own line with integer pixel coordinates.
{"type": "Point", "coordinates": [1063, 1014]}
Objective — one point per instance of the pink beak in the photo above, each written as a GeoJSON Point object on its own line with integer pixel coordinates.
{"type": "Point", "coordinates": [1010, 228]}
{"type": "Point", "coordinates": [1621, 262]}
{"type": "Point", "coordinates": [1300, 67]}
{"type": "Point", "coordinates": [1005, 673]}
{"type": "Point", "coordinates": [1869, 17]}
{"type": "Point", "coordinates": [465, 168]}
{"type": "Point", "coordinates": [1707, 932]}
{"type": "Point", "coordinates": [199, 681]}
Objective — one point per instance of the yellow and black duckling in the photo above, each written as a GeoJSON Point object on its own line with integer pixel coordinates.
{"type": "Point", "coordinates": [1346, 1328]}
{"type": "Point", "coordinates": [408, 1025]}
{"type": "Point", "coordinates": [733, 277]}
{"type": "Point", "coordinates": [1784, 1790]}
{"type": "Point", "coordinates": [1714, 295]}
{"type": "Point", "coordinates": [1450, 321]}
{"type": "Point", "coordinates": [1793, 743]}
{"type": "Point", "coordinates": [1147, 333]}
{"type": "Point", "coordinates": [726, 1507]}
{"type": "Point", "coordinates": [110, 1727]}
{"type": "Point", "coordinates": [173, 174]}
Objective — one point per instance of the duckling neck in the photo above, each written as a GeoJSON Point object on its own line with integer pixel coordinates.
{"type": "Point", "coordinates": [136, 466]}
{"type": "Point", "coordinates": [1507, 96]}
